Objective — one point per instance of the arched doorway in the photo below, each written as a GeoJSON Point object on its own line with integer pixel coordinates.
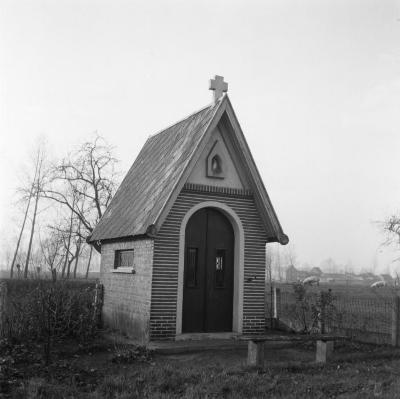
{"type": "Point", "coordinates": [208, 273]}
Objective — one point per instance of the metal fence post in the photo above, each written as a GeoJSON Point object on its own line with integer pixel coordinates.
{"type": "Point", "coordinates": [322, 316]}
{"type": "Point", "coordinates": [395, 321]}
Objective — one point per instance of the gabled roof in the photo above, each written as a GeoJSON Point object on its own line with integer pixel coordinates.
{"type": "Point", "coordinates": [150, 187]}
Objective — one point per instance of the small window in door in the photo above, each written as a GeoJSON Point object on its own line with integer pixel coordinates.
{"type": "Point", "coordinates": [220, 268]}
{"type": "Point", "coordinates": [191, 267]}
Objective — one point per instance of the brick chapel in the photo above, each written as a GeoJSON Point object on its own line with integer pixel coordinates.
{"type": "Point", "coordinates": [183, 240]}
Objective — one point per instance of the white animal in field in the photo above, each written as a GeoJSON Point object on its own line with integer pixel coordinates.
{"type": "Point", "coordinates": [311, 280]}
{"type": "Point", "coordinates": [378, 284]}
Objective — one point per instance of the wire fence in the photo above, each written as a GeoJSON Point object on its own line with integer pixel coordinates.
{"type": "Point", "coordinates": [361, 312]}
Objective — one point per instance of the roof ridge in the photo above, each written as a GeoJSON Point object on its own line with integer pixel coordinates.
{"type": "Point", "coordinates": [210, 105]}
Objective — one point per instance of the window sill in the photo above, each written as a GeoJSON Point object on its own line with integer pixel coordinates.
{"type": "Point", "coordinates": [124, 270]}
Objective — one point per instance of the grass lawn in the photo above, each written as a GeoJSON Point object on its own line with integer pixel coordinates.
{"type": "Point", "coordinates": [115, 371]}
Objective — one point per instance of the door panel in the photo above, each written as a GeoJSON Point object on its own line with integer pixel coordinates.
{"type": "Point", "coordinates": [219, 290]}
{"type": "Point", "coordinates": [208, 274]}
{"type": "Point", "coordinates": [193, 291]}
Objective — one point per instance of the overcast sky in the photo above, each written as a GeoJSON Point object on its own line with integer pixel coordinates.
{"type": "Point", "coordinates": [315, 85]}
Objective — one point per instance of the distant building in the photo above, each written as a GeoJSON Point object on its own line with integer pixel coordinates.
{"type": "Point", "coordinates": [342, 278]}
{"type": "Point", "coordinates": [387, 278]}
{"type": "Point", "coordinates": [315, 271]}
{"type": "Point", "coordinates": [353, 279]}
{"type": "Point", "coordinates": [369, 277]}
{"type": "Point", "coordinates": [333, 278]}
{"type": "Point", "coordinates": [293, 274]}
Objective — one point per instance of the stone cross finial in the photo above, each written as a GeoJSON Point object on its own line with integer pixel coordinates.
{"type": "Point", "coordinates": [218, 86]}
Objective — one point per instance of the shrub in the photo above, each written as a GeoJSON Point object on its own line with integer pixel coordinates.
{"type": "Point", "coordinates": [313, 311]}
{"type": "Point", "coordinates": [42, 311]}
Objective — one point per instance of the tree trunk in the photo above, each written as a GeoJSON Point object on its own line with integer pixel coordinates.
{"type": "Point", "coordinates": [23, 223]}
{"type": "Point", "coordinates": [78, 248]}
{"type": "Point", "coordinates": [68, 246]}
{"type": "Point", "coordinates": [69, 266]}
{"type": "Point", "coordinates": [28, 255]}
{"type": "Point", "coordinates": [64, 265]}
{"type": "Point", "coordinates": [20, 236]}
{"type": "Point", "coordinates": [88, 264]}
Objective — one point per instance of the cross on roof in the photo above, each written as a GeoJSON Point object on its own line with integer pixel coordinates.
{"type": "Point", "coordinates": [218, 86]}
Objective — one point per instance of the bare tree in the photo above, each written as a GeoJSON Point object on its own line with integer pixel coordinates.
{"type": "Point", "coordinates": [51, 250]}
{"type": "Point", "coordinates": [85, 182]}
{"type": "Point", "coordinates": [30, 195]}
{"type": "Point", "coordinates": [36, 261]}
{"type": "Point", "coordinates": [391, 228]}
{"type": "Point", "coordinates": [68, 231]}
{"type": "Point", "coordinates": [67, 234]}
{"type": "Point", "coordinates": [78, 248]}
{"type": "Point", "coordinates": [278, 263]}
{"type": "Point", "coordinates": [38, 186]}
{"type": "Point", "coordinates": [88, 262]}
{"type": "Point", "coordinates": [291, 254]}
{"type": "Point", "coordinates": [329, 265]}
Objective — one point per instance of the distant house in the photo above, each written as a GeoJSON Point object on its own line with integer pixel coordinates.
{"type": "Point", "coordinates": [387, 278]}
{"type": "Point", "coordinates": [293, 274]}
{"type": "Point", "coordinates": [368, 277]}
{"type": "Point", "coordinates": [333, 278]}
{"type": "Point", "coordinates": [315, 271]}
{"type": "Point", "coordinates": [354, 279]}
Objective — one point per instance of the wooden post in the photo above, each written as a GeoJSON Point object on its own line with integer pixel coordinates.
{"type": "Point", "coordinates": [321, 321]}
{"type": "Point", "coordinates": [395, 321]}
{"type": "Point", "coordinates": [277, 301]}
{"type": "Point", "coordinates": [255, 353]}
{"type": "Point", "coordinates": [97, 303]}
{"type": "Point", "coordinates": [324, 351]}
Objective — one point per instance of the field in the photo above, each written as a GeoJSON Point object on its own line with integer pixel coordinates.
{"type": "Point", "coordinates": [105, 370]}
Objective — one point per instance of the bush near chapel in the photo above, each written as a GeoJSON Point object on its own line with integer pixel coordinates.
{"type": "Point", "coordinates": [312, 312]}
{"type": "Point", "coordinates": [42, 311]}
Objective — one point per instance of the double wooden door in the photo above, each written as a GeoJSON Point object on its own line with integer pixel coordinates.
{"type": "Point", "coordinates": [208, 274]}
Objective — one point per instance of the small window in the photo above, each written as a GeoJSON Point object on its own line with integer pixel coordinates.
{"type": "Point", "coordinates": [220, 268]}
{"type": "Point", "coordinates": [124, 259]}
{"type": "Point", "coordinates": [191, 267]}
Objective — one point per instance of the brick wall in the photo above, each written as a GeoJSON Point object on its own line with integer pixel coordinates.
{"type": "Point", "coordinates": [127, 296]}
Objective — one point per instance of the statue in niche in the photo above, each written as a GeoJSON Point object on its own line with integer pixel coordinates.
{"type": "Point", "coordinates": [215, 163]}
{"type": "Point", "coordinates": [216, 166]}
